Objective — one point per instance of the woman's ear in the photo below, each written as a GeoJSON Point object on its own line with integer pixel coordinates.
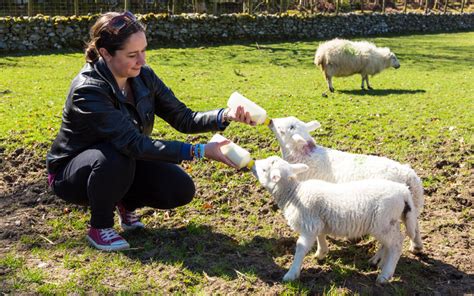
{"type": "Point", "coordinates": [105, 54]}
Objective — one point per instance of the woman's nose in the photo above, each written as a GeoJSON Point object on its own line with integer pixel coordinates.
{"type": "Point", "coordinates": [141, 60]}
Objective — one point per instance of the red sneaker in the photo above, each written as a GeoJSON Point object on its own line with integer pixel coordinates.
{"type": "Point", "coordinates": [106, 239]}
{"type": "Point", "coordinates": [128, 220]}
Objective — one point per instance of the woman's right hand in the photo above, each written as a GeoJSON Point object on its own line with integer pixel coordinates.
{"type": "Point", "coordinates": [213, 151]}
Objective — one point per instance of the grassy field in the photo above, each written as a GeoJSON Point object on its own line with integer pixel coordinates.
{"type": "Point", "coordinates": [232, 239]}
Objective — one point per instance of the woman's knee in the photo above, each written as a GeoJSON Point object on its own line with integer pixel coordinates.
{"type": "Point", "coordinates": [118, 166]}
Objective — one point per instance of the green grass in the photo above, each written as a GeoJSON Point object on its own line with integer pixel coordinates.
{"type": "Point", "coordinates": [420, 114]}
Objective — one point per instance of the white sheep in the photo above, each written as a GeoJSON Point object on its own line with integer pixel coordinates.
{"type": "Point", "coordinates": [297, 146]}
{"type": "Point", "coordinates": [339, 58]}
{"type": "Point", "coordinates": [316, 208]}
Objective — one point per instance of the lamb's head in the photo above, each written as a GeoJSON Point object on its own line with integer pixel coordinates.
{"type": "Point", "coordinates": [273, 170]}
{"type": "Point", "coordinates": [293, 135]}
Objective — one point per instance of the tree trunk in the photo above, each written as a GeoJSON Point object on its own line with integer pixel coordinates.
{"type": "Point", "coordinates": [405, 6]}
{"type": "Point", "coordinates": [462, 6]}
{"type": "Point", "coordinates": [383, 6]}
{"type": "Point", "coordinates": [362, 6]}
{"type": "Point", "coordinates": [445, 6]}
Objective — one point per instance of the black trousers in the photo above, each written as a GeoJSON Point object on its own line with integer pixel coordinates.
{"type": "Point", "coordinates": [102, 176]}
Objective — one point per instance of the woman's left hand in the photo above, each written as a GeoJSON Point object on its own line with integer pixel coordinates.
{"type": "Point", "coordinates": [240, 115]}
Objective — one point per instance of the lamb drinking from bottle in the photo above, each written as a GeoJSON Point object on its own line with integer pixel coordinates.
{"type": "Point", "coordinates": [316, 208]}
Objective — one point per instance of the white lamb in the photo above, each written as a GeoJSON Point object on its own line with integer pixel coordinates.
{"type": "Point", "coordinates": [336, 166]}
{"type": "Point", "coordinates": [340, 58]}
{"type": "Point", "coordinates": [316, 208]}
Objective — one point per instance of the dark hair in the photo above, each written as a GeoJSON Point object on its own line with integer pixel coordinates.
{"type": "Point", "coordinates": [102, 36]}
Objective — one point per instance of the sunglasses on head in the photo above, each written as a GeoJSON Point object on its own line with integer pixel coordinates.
{"type": "Point", "coordinates": [119, 22]}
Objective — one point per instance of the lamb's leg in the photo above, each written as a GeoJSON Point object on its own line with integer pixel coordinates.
{"type": "Point", "coordinates": [322, 247]}
{"type": "Point", "coordinates": [377, 258]}
{"type": "Point", "coordinates": [329, 81]}
{"type": "Point", "coordinates": [303, 245]}
{"type": "Point", "coordinates": [392, 241]}
{"type": "Point", "coordinates": [416, 245]}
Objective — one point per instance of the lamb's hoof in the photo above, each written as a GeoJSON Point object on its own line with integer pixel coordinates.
{"type": "Point", "coordinates": [289, 277]}
{"type": "Point", "coordinates": [324, 95]}
{"type": "Point", "coordinates": [369, 87]}
{"type": "Point", "coordinates": [331, 89]}
{"type": "Point", "coordinates": [416, 250]}
{"type": "Point", "coordinates": [320, 256]}
{"type": "Point", "coordinates": [382, 279]}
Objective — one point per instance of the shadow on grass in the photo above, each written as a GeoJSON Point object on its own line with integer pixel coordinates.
{"type": "Point", "coordinates": [381, 92]}
{"type": "Point", "coordinates": [201, 250]}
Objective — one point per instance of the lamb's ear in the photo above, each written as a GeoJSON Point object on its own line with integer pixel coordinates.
{"type": "Point", "coordinates": [298, 168]}
{"type": "Point", "coordinates": [312, 125]}
{"type": "Point", "coordinates": [298, 139]}
{"type": "Point", "coordinates": [275, 175]}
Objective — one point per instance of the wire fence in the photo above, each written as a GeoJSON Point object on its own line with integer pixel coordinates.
{"type": "Point", "coordinates": [76, 7]}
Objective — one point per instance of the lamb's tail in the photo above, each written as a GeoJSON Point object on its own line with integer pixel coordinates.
{"type": "Point", "coordinates": [416, 188]}
{"type": "Point", "coordinates": [410, 217]}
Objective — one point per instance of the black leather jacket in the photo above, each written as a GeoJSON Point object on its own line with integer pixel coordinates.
{"type": "Point", "coordinates": [97, 112]}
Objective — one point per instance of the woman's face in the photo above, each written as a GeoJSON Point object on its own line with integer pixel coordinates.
{"type": "Point", "coordinates": [128, 61]}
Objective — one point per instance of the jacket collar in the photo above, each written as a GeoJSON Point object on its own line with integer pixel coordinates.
{"type": "Point", "coordinates": [139, 88]}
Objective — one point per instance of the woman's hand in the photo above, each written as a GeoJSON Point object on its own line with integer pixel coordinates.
{"type": "Point", "coordinates": [239, 115]}
{"type": "Point", "coordinates": [213, 151]}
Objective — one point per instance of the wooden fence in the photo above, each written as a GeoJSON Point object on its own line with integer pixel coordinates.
{"type": "Point", "coordinates": [216, 7]}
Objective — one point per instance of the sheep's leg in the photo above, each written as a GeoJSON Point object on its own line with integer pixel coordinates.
{"type": "Point", "coordinates": [329, 81]}
{"type": "Point", "coordinates": [392, 241]}
{"type": "Point", "coordinates": [322, 247]}
{"type": "Point", "coordinates": [367, 80]}
{"type": "Point", "coordinates": [362, 84]}
{"type": "Point", "coordinates": [303, 245]}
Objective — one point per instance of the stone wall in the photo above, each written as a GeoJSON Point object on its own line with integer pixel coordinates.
{"type": "Point", "coordinates": [43, 32]}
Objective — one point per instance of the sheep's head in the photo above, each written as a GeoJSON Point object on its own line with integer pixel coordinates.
{"type": "Point", "coordinates": [272, 170]}
{"type": "Point", "coordinates": [394, 61]}
{"type": "Point", "coordinates": [293, 134]}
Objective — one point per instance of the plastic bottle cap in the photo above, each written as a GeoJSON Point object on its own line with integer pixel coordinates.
{"type": "Point", "coordinates": [250, 164]}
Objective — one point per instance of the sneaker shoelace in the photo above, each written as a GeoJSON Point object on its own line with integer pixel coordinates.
{"type": "Point", "coordinates": [108, 234]}
{"type": "Point", "coordinates": [131, 217]}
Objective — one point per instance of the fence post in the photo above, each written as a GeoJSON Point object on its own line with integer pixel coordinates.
{"type": "Point", "coordinates": [76, 7]}
{"type": "Point", "coordinates": [30, 8]}
{"type": "Point", "coordinates": [126, 5]}
{"type": "Point", "coordinates": [462, 6]}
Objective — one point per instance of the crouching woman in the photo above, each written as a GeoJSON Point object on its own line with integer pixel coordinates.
{"type": "Point", "coordinates": [103, 155]}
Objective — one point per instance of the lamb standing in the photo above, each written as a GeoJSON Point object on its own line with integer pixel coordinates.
{"type": "Point", "coordinates": [340, 58]}
{"type": "Point", "coordinates": [336, 166]}
{"type": "Point", "coordinates": [316, 208]}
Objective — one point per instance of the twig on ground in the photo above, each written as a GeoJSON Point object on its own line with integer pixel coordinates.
{"type": "Point", "coordinates": [46, 239]}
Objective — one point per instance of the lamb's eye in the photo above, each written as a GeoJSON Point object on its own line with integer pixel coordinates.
{"type": "Point", "coordinates": [292, 127]}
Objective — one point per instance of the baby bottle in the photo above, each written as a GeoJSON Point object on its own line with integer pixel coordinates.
{"type": "Point", "coordinates": [238, 155]}
{"type": "Point", "coordinates": [257, 113]}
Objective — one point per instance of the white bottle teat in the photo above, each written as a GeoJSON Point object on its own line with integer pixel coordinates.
{"type": "Point", "coordinates": [257, 113]}
{"type": "Point", "coordinates": [238, 155]}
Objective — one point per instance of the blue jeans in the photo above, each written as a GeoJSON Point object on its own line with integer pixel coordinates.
{"type": "Point", "coordinates": [101, 177]}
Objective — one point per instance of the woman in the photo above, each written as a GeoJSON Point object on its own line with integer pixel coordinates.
{"type": "Point", "coordinates": [103, 155]}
